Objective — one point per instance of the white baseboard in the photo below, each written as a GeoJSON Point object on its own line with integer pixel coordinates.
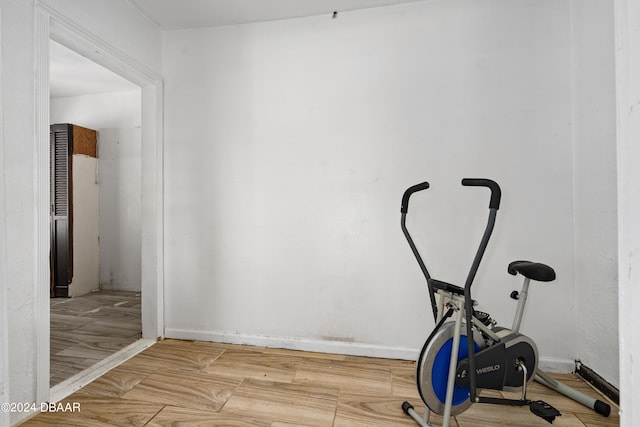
{"type": "Point", "coordinates": [303, 344]}
{"type": "Point", "coordinates": [554, 364]}
{"type": "Point", "coordinates": [547, 364]}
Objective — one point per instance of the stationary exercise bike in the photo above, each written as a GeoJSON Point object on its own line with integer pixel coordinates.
{"type": "Point", "coordinates": [467, 351]}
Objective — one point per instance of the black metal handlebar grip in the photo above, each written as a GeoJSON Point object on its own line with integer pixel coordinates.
{"type": "Point", "coordinates": [496, 194]}
{"type": "Point", "coordinates": [405, 197]}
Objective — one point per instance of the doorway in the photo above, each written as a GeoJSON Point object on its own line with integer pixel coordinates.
{"type": "Point", "coordinates": [51, 25]}
{"type": "Point", "coordinates": [96, 197]}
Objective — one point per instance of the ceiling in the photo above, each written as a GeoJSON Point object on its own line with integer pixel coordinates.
{"type": "Point", "coordinates": [73, 75]}
{"type": "Point", "coordinates": [183, 14]}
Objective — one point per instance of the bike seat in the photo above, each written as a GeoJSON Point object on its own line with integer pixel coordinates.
{"type": "Point", "coordinates": [444, 286]}
{"type": "Point", "coordinates": [532, 270]}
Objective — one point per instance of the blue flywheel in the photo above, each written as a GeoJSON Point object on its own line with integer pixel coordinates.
{"type": "Point", "coordinates": [433, 370]}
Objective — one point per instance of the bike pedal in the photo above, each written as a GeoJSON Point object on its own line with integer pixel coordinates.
{"type": "Point", "coordinates": [544, 410]}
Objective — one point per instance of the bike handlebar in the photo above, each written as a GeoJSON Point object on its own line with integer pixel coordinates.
{"type": "Point", "coordinates": [494, 203]}
{"type": "Point", "coordinates": [404, 208]}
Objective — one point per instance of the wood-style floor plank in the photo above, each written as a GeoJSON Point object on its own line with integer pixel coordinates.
{"type": "Point", "coordinates": [99, 412]}
{"type": "Point", "coordinates": [376, 410]}
{"type": "Point", "coordinates": [186, 389]}
{"type": "Point", "coordinates": [118, 381]}
{"type": "Point", "coordinates": [89, 328]}
{"type": "Point", "coordinates": [348, 375]}
{"type": "Point", "coordinates": [255, 364]}
{"type": "Point", "coordinates": [167, 357]}
{"type": "Point", "coordinates": [306, 404]}
{"type": "Point", "coordinates": [190, 383]}
{"type": "Point", "coordinates": [403, 380]}
{"type": "Point", "coordinates": [171, 416]}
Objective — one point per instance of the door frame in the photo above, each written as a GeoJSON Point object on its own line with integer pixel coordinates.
{"type": "Point", "coordinates": [627, 57]}
{"type": "Point", "coordinates": [50, 24]}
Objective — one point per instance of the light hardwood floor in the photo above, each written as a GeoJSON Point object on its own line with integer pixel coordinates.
{"type": "Point", "coordinates": [186, 383]}
{"type": "Point", "coordinates": [87, 329]}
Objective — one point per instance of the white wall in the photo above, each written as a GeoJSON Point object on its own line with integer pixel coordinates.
{"type": "Point", "coordinates": [18, 168]}
{"type": "Point", "coordinates": [289, 144]}
{"type": "Point", "coordinates": [98, 111]}
{"type": "Point", "coordinates": [118, 24]}
{"type": "Point", "coordinates": [4, 338]}
{"type": "Point", "coordinates": [4, 333]}
{"type": "Point", "coordinates": [120, 216]}
{"type": "Point", "coordinates": [595, 200]}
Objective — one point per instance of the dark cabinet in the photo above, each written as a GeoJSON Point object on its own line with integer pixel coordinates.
{"type": "Point", "coordinates": [65, 141]}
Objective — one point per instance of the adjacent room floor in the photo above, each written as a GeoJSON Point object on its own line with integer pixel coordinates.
{"type": "Point", "coordinates": [87, 329]}
{"type": "Point", "coordinates": [208, 384]}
